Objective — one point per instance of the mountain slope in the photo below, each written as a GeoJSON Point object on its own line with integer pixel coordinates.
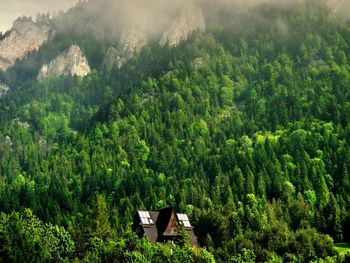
{"type": "Point", "coordinates": [188, 21]}
{"type": "Point", "coordinates": [25, 37]}
{"type": "Point", "coordinates": [335, 5]}
{"type": "Point", "coordinates": [130, 44]}
{"type": "Point", "coordinates": [71, 62]}
{"type": "Point", "coordinates": [244, 127]}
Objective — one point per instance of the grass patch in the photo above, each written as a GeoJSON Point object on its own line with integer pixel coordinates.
{"type": "Point", "coordinates": [343, 248]}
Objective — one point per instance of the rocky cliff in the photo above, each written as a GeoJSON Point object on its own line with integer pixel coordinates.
{"type": "Point", "coordinates": [130, 44]}
{"type": "Point", "coordinates": [335, 5]}
{"type": "Point", "coordinates": [25, 37]}
{"type": "Point", "coordinates": [3, 89]}
{"type": "Point", "coordinates": [189, 20]}
{"type": "Point", "coordinates": [71, 62]}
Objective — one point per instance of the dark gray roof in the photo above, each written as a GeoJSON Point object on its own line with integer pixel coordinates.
{"type": "Point", "coordinates": [155, 225]}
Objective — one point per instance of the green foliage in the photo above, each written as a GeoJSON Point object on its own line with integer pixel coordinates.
{"type": "Point", "coordinates": [343, 249]}
{"type": "Point", "coordinates": [182, 237]}
{"type": "Point", "coordinates": [141, 150]}
{"type": "Point", "coordinates": [253, 144]}
{"type": "Point", "coordinates": [24, 238]}
{"type": "Point", "coordinates": [246, 256]}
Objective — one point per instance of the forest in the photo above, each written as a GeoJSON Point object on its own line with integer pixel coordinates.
{"type": "Point", "coordinates": [245, 128]}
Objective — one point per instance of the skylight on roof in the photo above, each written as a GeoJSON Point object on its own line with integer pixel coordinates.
{"type": "Point", "coordinates": [184, 220]}
{"type": "Point", "coordinates": [144, 214]}
{"type": "Point", "coordinates": [144, 221]}
{"type": "Point", "coordinates": [145, 218]}
{"type": "Point", "coordinates": [182, 217]}
{"type": "Point", "coordinates": [186, 223]}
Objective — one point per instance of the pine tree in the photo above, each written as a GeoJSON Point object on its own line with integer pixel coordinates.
{"type": "Point", "coordinates": [333, 221]}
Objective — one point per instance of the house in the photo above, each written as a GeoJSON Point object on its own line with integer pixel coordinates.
{"type": "Point", "coordinates": [161, 226]}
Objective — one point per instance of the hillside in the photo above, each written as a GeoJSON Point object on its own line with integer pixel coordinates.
{"type": "Point", "coordinates": [238, 118]}
{"type": "Point", "coordinates": [71, 62]}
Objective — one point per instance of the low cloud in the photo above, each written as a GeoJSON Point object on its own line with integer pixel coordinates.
{"type": "Point", "coordinates": [148, 15]}
{"type": "Point", "coordinates": [12, 9]}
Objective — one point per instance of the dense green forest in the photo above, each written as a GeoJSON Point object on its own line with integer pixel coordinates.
{"type": "Point", "coordinates": [245, 128]}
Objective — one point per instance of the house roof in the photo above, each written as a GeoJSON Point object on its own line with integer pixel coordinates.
{"type": "Point", "coordinates": [163, 221]}
{"type": "Point", "coordinates": [157, 225]}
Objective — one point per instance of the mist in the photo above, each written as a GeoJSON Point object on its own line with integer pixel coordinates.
{"type": "Point", "coordinates": [12, 9]}
{"type": "Point", "coordinates": [107, 18]}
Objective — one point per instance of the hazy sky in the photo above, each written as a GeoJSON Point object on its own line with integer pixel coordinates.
{"type": "Point", "coordinates": [11, 9]}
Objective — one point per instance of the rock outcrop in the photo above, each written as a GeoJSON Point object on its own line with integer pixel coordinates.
{"type": "Point", "coordinates": [131, 44]}
{"type": "Point", "coordinates": [25, 37]}
{"type": "Point", "coordinates": [3, 89]}
{"type": "Point", "coordinates": [71, 62]}
{"type": "Point", "coordinates": [20, 123]}
{"type": "Point", "coordinates": [112, 58]}
{"type": "Point", "coordinates": [200, 62]}
{"type": "Point", "coordinates": [335, 5]}
{"type": "Point", "coordinates": [6, 144]}
{"type": "Point", "coordinates": [189, 20]}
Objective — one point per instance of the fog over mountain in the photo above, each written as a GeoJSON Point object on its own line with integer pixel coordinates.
{"type": "Point", "coordinates": [139, 12]}
{"type": "Point", "coordinates": [169, 21]}
{"type": "Point", "coordinates": [11, 9]}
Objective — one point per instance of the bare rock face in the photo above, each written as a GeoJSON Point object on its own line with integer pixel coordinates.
{"type": "Point", "coordinates": [132, 41]}
{"type": "Point", "coordinates": [25, 37]}
{"type": "Point", "coordinates": [190, 19]}
{"type": "Point", "coordinates": [6, 144]}
{"type": "Point", "coordinates": [20, 123]}
{"type": "Point", "coordinates": [71, 62]}
{"type": "Point", "coordinates": [3, 89]}
{"type": "Point", "coordinates": [112, 57]}
{"type": "Point", "coordinates": [335, 5]}
{"type": "Point", "coordinates": [131, 44]}
{"type": "Point", "coordinates": [200, 62]}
